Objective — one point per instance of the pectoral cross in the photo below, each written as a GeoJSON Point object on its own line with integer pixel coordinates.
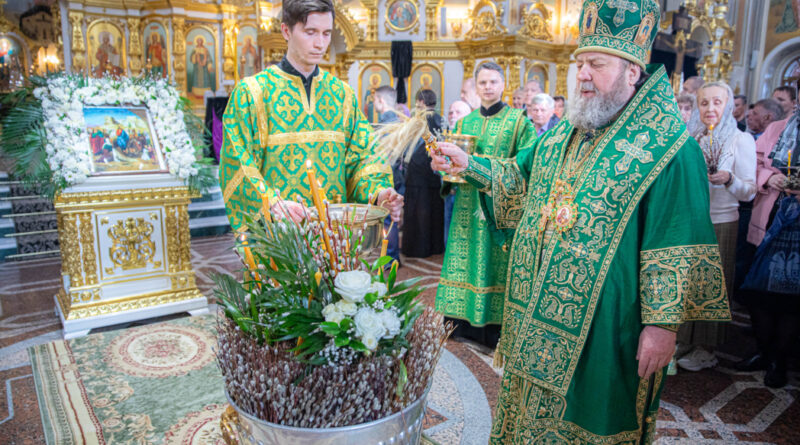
{"type": "Point", "coordinates": [633, 151]}
{"type": "Point", "coordinates": [622, 6]}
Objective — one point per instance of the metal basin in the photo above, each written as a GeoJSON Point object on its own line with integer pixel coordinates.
{"type": "Point", "coordinates": [373, 234]}
{"type": "Point", "coordinates": [401, 428]}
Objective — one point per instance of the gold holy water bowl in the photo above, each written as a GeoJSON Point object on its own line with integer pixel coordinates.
{"type": "Point", "coordinates": [354, 216]}
{"type": "Point", "coordinates": [467, 143]}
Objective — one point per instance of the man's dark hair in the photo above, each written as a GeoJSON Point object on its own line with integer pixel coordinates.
{"type": "Point", "coordinates": [297, 11]}
{"type": "Point", "coordinates": [428, 97]}
{"type": "Point", "coordinates": [787, 89]}
{"type": "Point", "coordinates": [772, 107]}
{"type": "Point", "coordinates": [559, 99]}
{"type": "Point", "coordinates": [490, 66]}
{"type": "Point", "coordinates": [741, 97]}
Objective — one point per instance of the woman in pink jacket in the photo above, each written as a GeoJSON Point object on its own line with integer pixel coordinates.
{"type": "Point", "coordinates": [775, 317]}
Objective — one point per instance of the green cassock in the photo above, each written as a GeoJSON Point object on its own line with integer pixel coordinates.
{"type": "Point", "coordinates": [473, 277]}
{"type": "Point", "coordinates": [642, 251]}
{"type": "Point", "coordinates": [272, 127]}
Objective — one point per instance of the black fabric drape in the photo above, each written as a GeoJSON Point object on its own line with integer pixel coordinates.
{"type": "Point", "coordinates": [214, 105]}
{"type": "Point", "coordinates": [402, 53]}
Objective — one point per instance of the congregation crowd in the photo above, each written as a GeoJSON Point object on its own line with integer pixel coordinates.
{"type": "Point", "coordinates": [746, 194]}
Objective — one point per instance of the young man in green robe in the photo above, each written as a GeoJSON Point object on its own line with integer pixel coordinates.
{"type": "Point", "coordinates": [293, 113]}
{"type": "Point", "coordinates": [473, 281]}
{"type": "Point", "coordinates": [613, 245]}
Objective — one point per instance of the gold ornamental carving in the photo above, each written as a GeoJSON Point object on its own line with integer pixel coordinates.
{"type": "Point", "coordinates": [230, 33]}
{"type": "Point", "coordinates": [135, 45]}
{"type": "Point", "coordinates": [561, 79]}
{"type": "Point", "coordinates": [344, 21]}
{"type": "Point", "coordinates": [179, 51]}
{"type": "Point", "coordinates": [93, 308]}
{"type": "Point", "coordinates": [514, 64]}
{"type": "Point", "coordinates": [87, 248]}
{"type": "Point", "coordinates": [536, 22]}
{"type": "Point", "coordinates": [431, 29]}
{"type": "Point", "coordinates": [78, 45]}
{"type": "Point", "coordinates": [133, 246]}
{"type": "Point", "coordinates": [486, 20]}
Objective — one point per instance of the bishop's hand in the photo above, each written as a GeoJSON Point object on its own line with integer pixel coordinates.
{"type": "Point", "coordinates": [392, 201]}
{"type": "Point", "coordinates": [656, 347]}
{"type": "Point", "coordinates": [449, 158]}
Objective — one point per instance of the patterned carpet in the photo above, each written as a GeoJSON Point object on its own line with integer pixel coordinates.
{"type": "Point", "coordinates": [159, 384]}
{"type": "Point", "coordinates": [131, 384]}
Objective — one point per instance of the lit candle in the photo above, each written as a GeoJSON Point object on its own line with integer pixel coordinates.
{"type": "Point", "coordinates": [248, 258]}
{"type": "Point", "coordinates": [385, 243]}
{"type": "Point", "coordinates": [789, 163]}
{"type": "Point", "coordinates": [314, 185]}
{"type": "Point", "coordinates": [316, 196]}
{"type": "Point", "coordinates": [711, 137]}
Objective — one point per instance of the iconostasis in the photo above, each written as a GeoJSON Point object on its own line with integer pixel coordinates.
{"type": "Point", "coordinates": [208, 46]}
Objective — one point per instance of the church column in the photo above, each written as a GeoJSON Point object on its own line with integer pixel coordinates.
{"type": "Point", "coordinates": [229, 64]}
{"type": "Point", "coordinates": [431, 28]}
{"type": "Point", "coordinates": [78, 47]}
{"type": "Point", "coordinates": [134, 45]}
{"type": "Point", "coordinates": [179, 52]}
{"type": "Point", "coordinates": [372, 19]}
{"type": "Point", "coordinates": [561, 79]}
{"type": "Point", "coordinates": [513, 74]}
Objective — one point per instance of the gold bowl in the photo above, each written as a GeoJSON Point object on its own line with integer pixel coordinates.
{"type": "Point", "coordinates": [467, 143]}
{"type": "Point", "coordinates": [354, 216]}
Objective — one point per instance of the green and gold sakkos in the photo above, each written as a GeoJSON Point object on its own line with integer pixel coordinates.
{"type": "Point", "coordinates": [272, 128]}
{"type": "Point", "coordinates": [473, 278]}
{"type": "Point", "coordinates": [642, 251]}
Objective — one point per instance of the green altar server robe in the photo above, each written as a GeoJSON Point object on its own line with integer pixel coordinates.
{"type": "Point", "coordinates": [272, 126]}
{"type": "Point", "coordinates": [473, 281]}
{"type": "Point", "coordinates": [612, 233]}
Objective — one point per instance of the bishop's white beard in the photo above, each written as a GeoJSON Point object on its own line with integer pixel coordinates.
{"type": "Point", "coordinates": [591, 113]}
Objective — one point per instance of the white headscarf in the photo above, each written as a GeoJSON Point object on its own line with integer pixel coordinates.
{"type": "Point", "coordinates": [727, 126]}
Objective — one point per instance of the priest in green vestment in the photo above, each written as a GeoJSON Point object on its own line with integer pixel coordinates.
{"type": "Point", "coordinates": [291, 114]}
{"type": "Point", "coordinates": [613, 247]}
{"type": "Point", "coordinates": [473, 277]}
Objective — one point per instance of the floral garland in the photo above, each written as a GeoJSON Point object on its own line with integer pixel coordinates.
{"type": "Point", "coordinates": [68, 151]}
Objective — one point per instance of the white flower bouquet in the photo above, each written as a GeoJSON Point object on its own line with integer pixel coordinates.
{"type": "Point", "coordinates": [315, 336]}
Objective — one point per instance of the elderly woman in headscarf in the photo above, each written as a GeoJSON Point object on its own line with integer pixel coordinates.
{"type": "Point", "coordinates": [731, 160]}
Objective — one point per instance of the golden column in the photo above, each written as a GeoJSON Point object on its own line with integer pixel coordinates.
{"type": "Point", "coordinates": [342, 66]}
{"type": "Point", "coordinates": [431, 30]}
{"type": "Point", "coordinates": [229, 65]}
{"type": "Point", "coordinates": [561, 79]}
{"type": "Point", "coordinates": [78, 46]}
{"type": "Point", "coordinates": [179, 52]}
{"type": "Point", "coordinates": [514, 75]}
{"type": "Point", "coordinates": [135, 45]}
{"type": "Point", "coordinates": [372, 19]}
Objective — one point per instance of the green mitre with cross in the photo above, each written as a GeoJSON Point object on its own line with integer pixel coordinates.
{"type": "Point", "coordinates": [624, 28]}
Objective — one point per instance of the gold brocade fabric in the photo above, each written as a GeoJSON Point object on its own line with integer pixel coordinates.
{"type": "Point", "coordinates": [272, 127]}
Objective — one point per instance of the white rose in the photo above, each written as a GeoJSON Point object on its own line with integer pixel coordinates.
{"type": "Point", "coordinates": [353, 285]}
{"type": "Point", "coordinates": [368, 323]}
{"type": "Point", "coordinates": [332, 314]}
{"type": "Point", "coordinates": [370, 342]}
{"type": "Point", "coordinates": [391, 322]}
{"type": "Point", "coordinates": [378, 287]}
{"type": "Point", "coordinates": [347, 308]}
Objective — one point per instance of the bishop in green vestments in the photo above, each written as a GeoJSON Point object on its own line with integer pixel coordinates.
{"type": "Point", "coordinates": [613, 246]}
{"type": "Point", "coordinates": [293, 113]}
{"type": "Point", "coordinates": [473, 277]}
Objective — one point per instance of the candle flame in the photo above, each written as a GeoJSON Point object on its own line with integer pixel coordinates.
{"type": "Point", "coordinates": [309, 164]}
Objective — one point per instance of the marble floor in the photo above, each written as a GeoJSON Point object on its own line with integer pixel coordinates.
{"type": "Point", "coordinates": [714, 406]}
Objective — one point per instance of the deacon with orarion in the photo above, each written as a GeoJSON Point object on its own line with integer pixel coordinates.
{"type": "Point", "coordinates": [292, 115]}
{"type": "Point", "coordinates": [613, 248]}
{"type": "Point", "coordinates": [473, 278]}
